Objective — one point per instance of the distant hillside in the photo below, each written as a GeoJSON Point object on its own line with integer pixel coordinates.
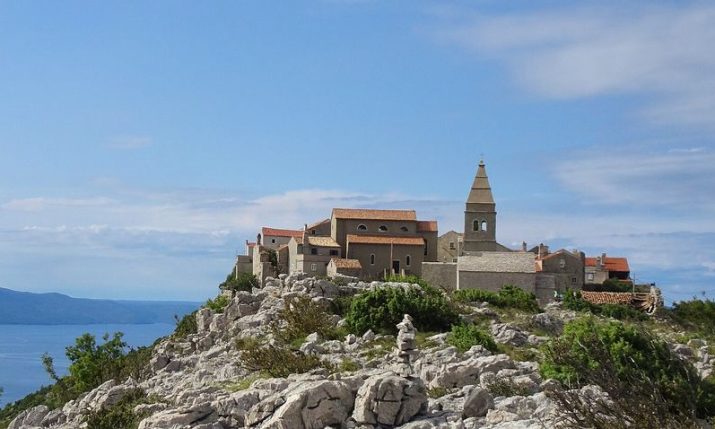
{"type": "Point", "coordinates": [56, 309]}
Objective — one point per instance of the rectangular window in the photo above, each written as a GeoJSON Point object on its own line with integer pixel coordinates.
{"type": "Point", "coordinates": [333, 253]}
{"type": "Point", "coordinates": [589, 276]}
{"type": "Point", "coordinates": [313, 267]}
{"type": "Point", "coordinates": [454, 259]}
{"type": "Point", "coordinates": [451, 245]}
{"type": "Point", "coordinates": [573, 280]}
{"type": "Point", "coordinates": [313, 251]}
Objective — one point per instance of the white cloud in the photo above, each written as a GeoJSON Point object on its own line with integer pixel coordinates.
{"type": "Point", "coordinates": [590, 51]}
{"type": "Point", "coordinates": [130, 142]}
{"type": "Point", "coordinates": [681, 179]}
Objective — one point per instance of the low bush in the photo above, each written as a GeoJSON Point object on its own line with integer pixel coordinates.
{"type": "Point", "coordinates": [218, 304]}
{"type": "Point", "coordinates": [185, 326]}
{"type": "Point", "coordinates": [463, 337]}
{"type": "Point", "coordinates": [574, 301]}
{"type": "Point", "coordinates": [300, 318]}
{"type": "Point", "coordinates": [382, 308]}
{"type": "Point", "coordinates": [507, 387]}
{"type": "Point", "coordinates": [507, 297]}
{"type": "Point", "coordinates": [121, 415]}
{"type": "Point", "coordinates": [696, 314]}
{"type": "Point", "coordinates": [648, 384]}
{"type": "Point", "coordinates": [278, 361]}
{"type": "Point", "coordinates": [239, 282]}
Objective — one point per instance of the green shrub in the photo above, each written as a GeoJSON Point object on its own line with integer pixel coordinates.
{"type": "Point", "coordinates": [696, 314]}
{"type": "Point", "coordinates": [507, 297]}
{"type": "Point", "coordinates": [121, 415]}
{"type": "Point", "coordinates": [631, 365]}
{"type": "Point", "coordinates": [185, 326]}
{"type": "Point", "coordinates": [239, 282]}
{"type": "Point", "coordinates": [574, 301]}
{"type": "Point", "coordinates": [278, 361]}
{"type": "Point", "coordinates": [463, 337]}
{"type": "Point", "coordinates": [382, 308]}
{"type": "Point", "coordinates": [507, 387]}
{"type": "Point", "coordinates": [92, 364]}
{"type": "Point", "coordinates": [615, 285]}
{"type": "Point", "coordinates": [349, 365]}
{"type": "Point", "coordinates": [218, 304]}
{"type": "Point", "coordinates": [300, 318]}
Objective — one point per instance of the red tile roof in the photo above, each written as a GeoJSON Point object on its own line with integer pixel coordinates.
{"type": "Point", "coordinates": [347, 263]}
{"type": "Point", "coordinates": [374, 214]}
{"type": "Point", "coordinates": [607, 297]}
{"type": "Point", "coordinates": [611, 264]}
{"type": "Point", "coordinates": [385, 240]}
{"type": "Point", "coordinates": [316, 224]}
{"type": "Point", "coordinates": [275, 232]}
{"type": "Point", "coordinates": [427, 226]}
{"type": "Point", "coordinates": [322, 241]}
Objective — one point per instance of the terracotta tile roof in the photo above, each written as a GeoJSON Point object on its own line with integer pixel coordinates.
{"type": "Point", "coordinates": [427, 226]}
{"type": "Point", "coordinates": [611, 264]}
{"type": "Point", "coordinates": [375, 214]}
{"type": "Point", "coordinates": [298, 240]}
{"type": "Point", "coordinates": [322, 241]}
{"type": "Point", "coordinates": [281, 232]}
{"type": "Point", "coordinates": [607, 297]}
{"type": "Point", "coordinates": [347, 263]}
{"type": "Point", "coordinates": [385, 240]}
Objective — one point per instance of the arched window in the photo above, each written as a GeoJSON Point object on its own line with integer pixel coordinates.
{"type": "Point", "coordinates": [362, 227]}
{"type": "Point", "coordinates": [484, 225]}
{"type": "Point", "coordinates": [408, 260]}
{"type": "Point", "coordinates": [383, 228]}
{"type": "Point", "coordinates": [475, 225]}
{"type": "Point", "coordinates": [372, 259]}
{"type": "Point", "coordinates": [403, 229]}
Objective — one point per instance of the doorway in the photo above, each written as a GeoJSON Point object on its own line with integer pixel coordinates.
{"type": "Point", "coordinates": [396, 267]}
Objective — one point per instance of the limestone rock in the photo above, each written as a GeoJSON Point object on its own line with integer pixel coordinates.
{"type": "Point", "coordinates": [29, 418]}
{"type": "Point", "coordinates": [548, 323]}
{"type": "Point", "coordinates": [478, 403]}
{"type": "Point", "coordinates": [389, 400]}
{"type": "Point", "coordinates": [507, 333]}
{"type": "Point", "coordinates": [187, 416]}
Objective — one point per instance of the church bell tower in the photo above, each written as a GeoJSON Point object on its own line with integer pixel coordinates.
{"type": "Point", "coordinates": [480, 216]}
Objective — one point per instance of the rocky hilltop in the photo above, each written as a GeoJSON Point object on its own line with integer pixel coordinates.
{"type": "Point", "coordinates": [203, 381]}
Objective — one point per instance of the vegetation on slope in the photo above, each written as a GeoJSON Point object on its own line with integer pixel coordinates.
{"type": "Point", "coordinates": [507, 297]}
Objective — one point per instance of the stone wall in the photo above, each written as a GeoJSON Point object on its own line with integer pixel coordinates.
{"type": "Point", "coordinates": [439, 274]}
{"type": "Point", "coordinates": [545, 287]}
{"type": "Point", "coordinates": [494, 281]}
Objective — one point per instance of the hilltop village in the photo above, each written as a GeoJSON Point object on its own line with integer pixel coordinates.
{"type": "Point", "coordinates": [371, 244]}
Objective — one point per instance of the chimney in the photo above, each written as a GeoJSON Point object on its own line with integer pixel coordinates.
{"type": "Point", "coordinates": [523, 246]}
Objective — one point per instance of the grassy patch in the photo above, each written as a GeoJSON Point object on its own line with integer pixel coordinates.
{"type": "Point", "coordinates": [464, 337]}
{"type": "Point", "coordinates": [507, 297]}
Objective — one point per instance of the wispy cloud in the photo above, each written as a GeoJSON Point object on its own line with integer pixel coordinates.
{"type": "Point", "coordinates": [659, 51]}
{"type": "Point", "coordinates": [130, 142]}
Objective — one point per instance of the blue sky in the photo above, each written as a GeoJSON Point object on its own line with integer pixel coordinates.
{"type": "Point", "coordinates": [142, 143]}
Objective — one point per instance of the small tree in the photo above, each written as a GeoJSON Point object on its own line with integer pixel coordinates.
{"type": "Point", "coordinates": [93, 364]}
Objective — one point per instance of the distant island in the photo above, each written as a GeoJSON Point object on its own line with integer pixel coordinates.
{"type": "Point", "coordinates": [25, 308]}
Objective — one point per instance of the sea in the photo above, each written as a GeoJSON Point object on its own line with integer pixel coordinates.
{"type": "Point", "coordinates": [22, 346]}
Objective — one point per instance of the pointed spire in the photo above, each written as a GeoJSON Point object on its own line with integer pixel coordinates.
{"type": "Point", "coordinates": [481, 192]}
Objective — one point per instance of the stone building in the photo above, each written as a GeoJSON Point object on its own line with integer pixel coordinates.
{"type": "Point", "coordinates": [604, 267]}
{"type": "Point", "coordinates": [558, 271]}
{"type": "Point", "coordinates": [344, 267]}
{"type": "Point", "coordinates": [449, 246]}
{"type": "Point", "coordinates": [273, 238]}
{"type": "Point", "coordinates": [311, 254]}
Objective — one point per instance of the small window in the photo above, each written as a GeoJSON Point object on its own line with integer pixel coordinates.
{"type": "Point", "coordinates": [383, 228]}
{"type": "Point", "coordinates": [454, 259]}
{"type": "Point", "coordinates": [313, 251]}
{"type": "Point", "coordinates": [333, 252]}
{"type": "Point", "coordinates": [451, 245]}
{"type": "Point", "coordinates": [313, 267]}
{"type": "Point", "coordinates": [362, 227]}
{"type": "Point", "coordinates": [475, 225]}
{"type": "Point", "coordinates": [300, 248]}
{"type": "Point", "coordinates": [484, 225]}
{"type": "Point", "coordinates": [589, 276]}
{"type": "Point", "coordinates": [273, 240]}
{"type": "Point", "coordinates": [425, 249]}
{"type": "Point", "coordinates": [372, 259]}
{"type": "Point", "coordinates": [408, 260]}
{"type": "Point", "coordinates": [573, 280]}
{"type": "Point", "coordinates": [403, 229]}
{"type": "Point", "coordinates": [562, 263]}
{"type": "Point", "coordinates": [312, 231]}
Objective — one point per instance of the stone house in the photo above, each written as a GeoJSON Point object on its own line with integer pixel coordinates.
{"type": "Point", "coordinates": [344, 267]}
{"type": "Point", "coordinates": [311, 254]}
{"type": "Point", "coordinates": [273, 238]}
{"type": "Point", "coordinates": [558, 271]}
{"type": "Point", "coordinates": [604, 267]}
{"type": "Point", "coordinates": [449, 246]}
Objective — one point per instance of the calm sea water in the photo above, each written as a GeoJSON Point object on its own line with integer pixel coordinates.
{"type": "Point", "coordinates": [21, 347]}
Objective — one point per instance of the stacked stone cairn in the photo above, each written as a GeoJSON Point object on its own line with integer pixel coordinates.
{"type": "Point", "coordinates": [406, 346]}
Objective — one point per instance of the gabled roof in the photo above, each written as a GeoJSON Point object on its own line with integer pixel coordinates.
{"type": "Point", "coordinates": [426, 226]}
{"type": "Point", "coordinates": [607, 297]}
{"type": "Point", "coordinates": [560, 252]}
{"type": "Point", "coordinates": [610, 263]}
{"type": "Point", "coordinates": [322, 241]}
{"type": "Point", "coordinates": [385, 240]}
{"type": "Point", "coordinates": [317, 224]}
{"type": "Point", "coordinates": [481, 192]}
{"type": "Point", "coordinates": [347, 263]}
{"type": "Point", "coordinates": [372, 214]}
{"type": "Point", "coordinates": [276, 232]}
